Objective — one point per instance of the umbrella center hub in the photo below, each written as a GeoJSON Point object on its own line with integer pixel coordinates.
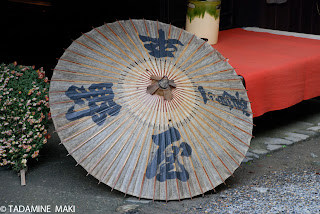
{"type": "Point", "coordinates": [164, 83]}
{"type": "Point", "coordinates": [161, 86]}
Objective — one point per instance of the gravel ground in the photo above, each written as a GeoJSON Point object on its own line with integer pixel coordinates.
{"type": "Point", "coordinates": [286, 181]}
{"type": "Point", "coordinates": [278, 192]}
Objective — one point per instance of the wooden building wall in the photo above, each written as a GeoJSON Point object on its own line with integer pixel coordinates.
{"type": "Point", "coordinates": [38, 30]}
{"type": "Point", "coordinates": [295, 15]}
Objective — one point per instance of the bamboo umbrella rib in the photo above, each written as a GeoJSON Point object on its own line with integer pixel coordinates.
{"type": "Point", "coordinates": [202, 137]}
{"type": "Point", "coordinates": [78, 81]}
{"type": "Point", "coordinates": [137, 34]}
{"type": "Point", "coordinates": [91, 137]}
{"type": "Point", "coordinates": [115, 84]}
{"type": "Point", "coordinates": [158, 115]}
{"type": "Point", "coordinates": [196, 62]}
{"type": "Point", "coordinates": [113, 53]}
{"type": "Point", "coordinates": [232, 115]}
{"type": "Point", "coordinates": [171, 61]}
{"type": "Point", "coordinates": [160, 64]}
{"type": "Point", "coordinates": [89, 58]}
{"type": "Point", "coordinates": [167, 71]}
{"type": "Point", "coordinates": [224, 89]}
{"type": "Point", "coordinates": [161, 129]}
{"type": "Point", "coordinates": [87, 128]}
{"type": "Point", "coordinates": [146, 27]}
{"type": "Point", "coordinates": [136, 163]}
{"type": "Point", "coordinates": [109, 58]}
{"type": "Point", "coordinates": [148, 156]}
{"type": "Point", "coordinates": [165, 118]}
{"type": "Point", "coordinates": [84, 74]}
{"type": "Point", "coordinates": [162, 119]}
{"type": "Point", "coordinates": [71, 124]}
{"type": "Point", "coordinates": [222, 137]}
{"type": "Point", "coordinates": [134, 44]}
{"type": "Point", "coordinates": [213, 73]}
{"type": "Point", "coordinates": [94, 124]}
{"type": "Point", "coordinates": [133, 146]}
{"type": "Point", "coordinates": [165, 61]}
{"type": "Point", "coordinates": [198, 69]}
{"type": "Point", "coordinates": [180, 103]}
{"type": "Point", "coordinates": [127, 158]}
{"type": "Point", "coordinates": [63, 113]}
{"type": "Point", "coordinates": [116, 156]}
{"type": "Point", "coordinates": [84, 65]}
{"type": "Point", "coordinates": [109, 148]}
{"type": "Point", "coordinates": [210, 81]}
{"type": "Point", "coordinates": [122, 42]}
{"type": "Point", "coordinates": [137, 122]}
{"type": "Point", "coordinates": [232, 146]}
{"type": "Point", "coordinates": [98, 61]}
{"type": "Point", "coordinates": [200, 99]}
{"type": "Point", "coordinates": [182, 139]}
{"type": "Point", "coordinates": [187, 91]}
{"type": "Point", "coordinates": [204, 150]}
{"type": "Point", "coordinates": [132, 84]}
{"type": "Point", "coordinates": [56, 92]}
{"type": "Point", "coordinates": [222, 147]}
{"type": "Point", "coordinates": [175, 170]}
{"type": "Point", "coordinates": [224, 121]}
{"type": "Point", "coordinates": [106, 126]}
{"type": "Point", "coordinates": [191, 55]}
{"type": "Point", "coordinates": [193, 148]}
{"type": "Point", "coordinates": [104, 36]}
{"type": "Point", "coordinates": [228, 123]}
{"type": "Point", "coordinates": [200, 124]}
{"type": "Point", "coordinates": [180, 55]}
{"type": "Point", "coordinates": [142, 146]}
{"type": "Point", "coordinates": [126, 94]}
{"type": "Point", "coordinates": [120, 49]}
{"type": "Point", "coordinates": [61, 102]}
{"type": "Point", "coordinates": [102, 76]}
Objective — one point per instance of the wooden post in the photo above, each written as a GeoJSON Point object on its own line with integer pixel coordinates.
{"type": "Point", "coordinates": [23, 177]}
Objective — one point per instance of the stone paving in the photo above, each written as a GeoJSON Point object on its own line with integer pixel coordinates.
{"type": "Point", "coordinates": [271, 139]}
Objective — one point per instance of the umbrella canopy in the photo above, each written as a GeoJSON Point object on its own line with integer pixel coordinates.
{"type": "Point", "coordinates": [150, 110]}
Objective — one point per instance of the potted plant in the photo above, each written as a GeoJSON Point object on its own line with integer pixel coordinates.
{"type": "Point", "coordinates": [203, 19]}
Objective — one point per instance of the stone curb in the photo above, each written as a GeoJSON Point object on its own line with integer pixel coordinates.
{"type": "Point", "coordinates": [263, 145]}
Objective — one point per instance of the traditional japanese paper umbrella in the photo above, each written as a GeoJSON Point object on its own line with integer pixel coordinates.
{"type": "Point", "coordinates": [150, 110]}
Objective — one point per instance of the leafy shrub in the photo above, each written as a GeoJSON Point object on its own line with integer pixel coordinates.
{"type": "Point", "coordinates": [24, 114]}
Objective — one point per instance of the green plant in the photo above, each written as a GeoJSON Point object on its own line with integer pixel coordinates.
{"type": "Point", "coordinates": [24, 114]}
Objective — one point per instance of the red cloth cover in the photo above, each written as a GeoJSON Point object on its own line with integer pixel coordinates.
{"type": "Point", "coordinates": [279, 71]}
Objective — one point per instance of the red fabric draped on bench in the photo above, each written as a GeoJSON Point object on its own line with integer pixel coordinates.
{"type": "Point", "coordinates": [279, 71]}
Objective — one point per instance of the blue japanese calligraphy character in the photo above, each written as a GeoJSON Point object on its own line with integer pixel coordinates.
{"type": "Point", "coordinates": [100, 101]}
{"type": "Point", "coordinates": [226, 99]}
{"type": "Point", "coordinates": [160, 47]}
{"type": "Point", "coordinates": [166, 157]}
{"type": "Point", "coordinates": [233, 102]}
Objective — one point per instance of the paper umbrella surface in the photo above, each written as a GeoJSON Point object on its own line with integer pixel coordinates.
{"type": "Point", "coordinates": [150, 110]}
